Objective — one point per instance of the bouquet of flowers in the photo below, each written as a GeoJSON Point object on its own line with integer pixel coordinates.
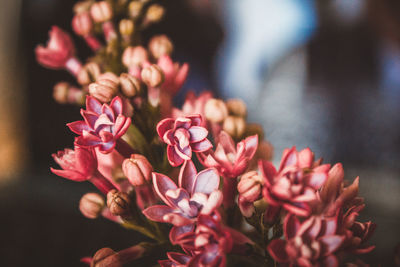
{"type": "Point", "coordinates": [196, 180]}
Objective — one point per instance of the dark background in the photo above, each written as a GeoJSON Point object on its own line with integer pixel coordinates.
{"type": "Point", "coordinates": [41, 224]}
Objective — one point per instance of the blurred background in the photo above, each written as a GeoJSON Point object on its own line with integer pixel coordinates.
{"type": "Point", "coordinates": [320, 74]}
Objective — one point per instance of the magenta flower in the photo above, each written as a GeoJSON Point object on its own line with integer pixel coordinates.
{"type": "Point", "coordinates": [230, 161]}
{"type": "Point", "coordinates": [81, 165]}
{"type": "Point", "coordinates": [103, 125]}
{"type": "Point", "coordinates": [210, 242]}
{"type": "Point", "coordinates": [174, 74]}
{"type": "Point", "coordinates": [175, 260]}
{"type": "Point", "coordinates": [193, 105]}
{"type": "Point", "coordinates": [59, 52]}
{"type": "Point", "coordinates": [295, 185]}
{"type": "Point", "coordinates": [197, 194]}
{"type": "Point", "coordinates": [311, 243]}
{"type": "Point", "coordinates": [183, 136]}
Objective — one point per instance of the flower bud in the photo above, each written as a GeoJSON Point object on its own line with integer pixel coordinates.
{"type": "Point", "coordinates": [152, 75]}
{"type": "Point", "coordinates": [135, 8]}
{"type": "Point", "coordinates": [109, 76]}
{"type": "Point", "coordinates": [154, 13]}
{"type": "Point", "coordinates": [234, 126]}
{"type": "Point", "coordinates": [254, 129]}
{"type": "Point", "coordinates": [106, 257]}
{"type": "Point", "coordinates": [130, 86]}
{"type": "Point", "coordinates": [101, 11]}
{"type": "Point", "coordinates": [126, 27]}
{"type": "Point", "coordinates": [160, 45]}
{"type": "Point", "coordinates": [89, 73]}
{"type": "Point", "coordinates": [82, 24]}
{"type": "Point", "coordinates": [137, 169]}
{"type": "Point", "coordinates": [91, 205]}
{"type": "Point", "coordinates": [118, 203]}
{"type": "Point", "coordinates": [104, 90]}
{"type": "Point", "coordinates": [60, 92]}
{"type": "Point", "coordinates": [249, 187]}
{"type": "Point", "coordinates": [236, 107]}
{"type": "Point", "coordinates": [134, 56]}
{"type": "Point", "coordinates": [215, 110]}
{"type": "Point", "coordinates": [82, 6]}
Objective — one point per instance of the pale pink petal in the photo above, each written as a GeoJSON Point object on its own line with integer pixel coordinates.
{"type": "Point", "coordinates": [164, 125]}
{"type": "Point", "coordinates": [306, 158]}
{"type": "Point", "coordinates": [173, 158]}
{"type": "Point", "coordinates": [197, 134]}
{"type": "Point", "coordinates": [117, 105]}
{"type": "Point", "coordinates": [92, 104]}
{"type": "Point", "coordinates": [178, 258]}
{"type": "Point", "coordinates": [185, 153]}
{"type": "Point", "coordinates": [90, 118]}
{"type": "Point", "coordinates": [251, 144]}
{"type": "Point", "coordinates": [331, 243]}
{"type": "Point", "coordinates": [78, 126]}
{"type": "Point", "coordinates": [317, 179]}
{"type": "Point", "coordinates": [201, 146]}
{"type": "Point", "coordinates": [196, 119]}
{"type": "Point", "coordinates": [187, 176]}
{"type": "Point", "coordinates": [176, 219]}
{"type": "Point", "coordinates": [161, 185]}
{"type": "Point", "coordinates": [177, 231]}
{"type": "Point", "coordinates": [206, 181]}
{"type": "Point", "coordinates": [182, 122]}
{"type": "Point", "coordinates": [268, 170]}
{"type": "Point", "coordinates": [106, 109]}
{"type": "Point", "coordinates": [157, 212]}
{"type": "Point", "coordinates": [213, 202]}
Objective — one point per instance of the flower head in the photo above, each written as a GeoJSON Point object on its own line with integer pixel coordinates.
{"type": "Point", "coordinates": [230, 161]}
{"type": "Point", "coordinates": [102, 126]}
{"type": "Point", "coordinates": [197, 194]}
{"type": "Point", "coordinates": [183, 136]}
{"type": "Point", "coordinates": [175, 260]}
{"type": "Point", "coordinates": [311, 243]}
{"type": "Point", "coordinates": [296, 182]}
{"type": "Point", "coordinates": [58, 51]}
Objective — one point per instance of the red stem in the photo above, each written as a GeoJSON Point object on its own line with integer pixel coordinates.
{"type": "Point", "coordinates": [229, 191]}
{"type": "Point", "coordinates": [124, 148]}
{"type": "Point", "coordinates": [92, 42]}
{"type": "Point", "coordinates": [102, 183]}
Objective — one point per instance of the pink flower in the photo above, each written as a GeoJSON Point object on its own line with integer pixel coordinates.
{"type": "Point", "coordinates": [356, 233]}
{"type": "Point", "coordinates": [193, 105]}
{"type": "Point", "coordinates": [174, 74]}
{"type": "Point", "coordinates": [230, 162]}
{"type": "Point", "coordinates": [175, 260]}
{"type": "Point", "coordinates": [250, 190]}
{"type": "Point", "coordinates": [102, 126]}
{"type": "Point", "coordinates": [210, 242]}
{"type": "Point", "coordinates": [296, 182]}
{"type": "Point", "coordinates": [183, 136]}
{"type": "Point", "coordinates": [311, 243]}
{"type": "Point", "coordinates": [80, 165]}
{"type": "Point", "coordinates": [197, 194]}
{"type": "Point", "coordinates": [59, 52]}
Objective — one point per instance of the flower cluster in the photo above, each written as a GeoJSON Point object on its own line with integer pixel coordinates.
{"type": "Point", "coordinates": [143, 155]}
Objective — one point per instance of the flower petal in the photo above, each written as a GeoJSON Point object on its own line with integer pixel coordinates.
{"type": "Point", "coordinates": [206, 181]}
{"type": "Point", "coordinates": [70, 174]}
{"type": "Point", "coordinates": [177, 231]}
{"type": "Point", "coordinates": [78, 126]}
{"type": "Point", "coordinates": [157, 212]}
{"type": "Point", "coordinates": [251, 145]}
{"type": "Point", "coordinates": [201, 146]}
{"type": "Point", "coordinates": [290, 226]}
{"type": "Point", "coordinates": [173, 157]}
{"type": "Point", "coordinates": [331, 243]}
{"type": "Point", "coordinates": [276, 249]}
{"type": "Point", "coordinates": [117, 105]}
{"type": "Point", "coordinates": [164, 125]}
{"type": "Point", "coordinates": [213, 202]}
{"type": "Point", "coordinates": [162, 184]}
{"type": "Point", "coordinates": [92, 104]}
{"type": "Point", "coordinates": [187, 176]}
{"type": "Point", "coordinates": [197, 133]}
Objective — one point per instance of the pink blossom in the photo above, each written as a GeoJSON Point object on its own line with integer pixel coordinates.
{"type": "Point", "coordinates": [183, 136]}
{"type": "Point", "coordinates": [103, 125]}
{"type": "Point", "coordinates": [311, 243]}
{"type": "Point", "coordinates": [197, 194]}
{"type": "Point", "coordinates": [210, 242]}
{"type": "Point", "coordinates": [59, 52]}
{"type": "Point", "coordinates": [230, 161]}
{"type": "Point", "coordinates": [296, 182]}
{"type": "Point", "coordinates": [174, 74]}
{"type": "Point", "coordinates": [80, 165]}
{"type": "Point", "coordinates": [193, 105]}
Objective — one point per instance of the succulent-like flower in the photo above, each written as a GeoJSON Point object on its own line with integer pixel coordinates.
{"type": "Point", "coordinates": [197, 194]}
{"type": "Point", "coordinates": [59, 52]}
{"type": "Point", "coordinates": [80, 165]}
{"type": "Point", "coordinates": [311, 243]}
{"type": "Point", "coordinates": [210, 242]}
{"type": "Point", "coordinates": [230, 161]}
{"type": "Point", "coordinates": [102, 126]}
{"type": "Point", "coordinates": [183, 135]}
{"type": "Point", "coordinates": [174, 74]}
{"type": "Point", "coordinates": [296, 182]}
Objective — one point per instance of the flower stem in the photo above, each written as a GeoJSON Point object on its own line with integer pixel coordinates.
{"type": "Point", "coordinates": [124, 148]}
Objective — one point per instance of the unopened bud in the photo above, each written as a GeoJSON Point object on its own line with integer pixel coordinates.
{"type": "Point", "coordinates": [109, 76]}
{"type": "Point", "coordinates": [106, 257]}
{"type": "Point", "coordinates": [152, 75]}
{"type": "Point", "coordinates": [126, 27]}
{"type": "Point", "coordinates": [101, 11]}
{"type": "Point", "coordinates": [254, 129]}
{"type": "Point", "coordinates": [215, 110]}
{"type": "Point", "coordinates": [249, 186]}
{"type": "Point", "coordinates": [154, 13]}
{"type": "Point", "coordinates": [103, 90]}
{"type": "Point", "coordinates": [91, 205]}
{"type": "Point", "coordinates": [236, 107]}
{"type": "Point", "coordinates": [82, 6]}
{"type": "Point", "coordinates": [130, 86]}
{"type": "Point", "coordinates": [134, 56]}
{"type": "Point", "coordinates": [234, 126]}
{"type": "Point", "coordinates": [118, 203]}
{"type": "Point", "coordinates": [135, 8]}
{"type": "Point", "coordinates": [82, 24]}
{"type": "Point", "coordinates": [89, 73]}
{"type": "Point", "coordinates": [137, 169]}
{"type": "Point", "coordinates": [60, 92]}
{"type": "Point", "coordinates": [160, 45]}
